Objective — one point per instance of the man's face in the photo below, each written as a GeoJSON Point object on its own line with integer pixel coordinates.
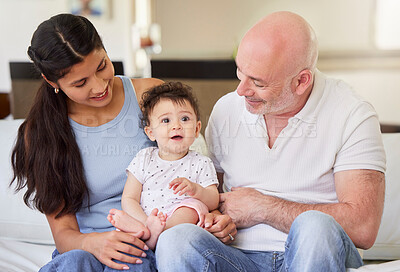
{"type": "Point", "coordinates": [265, 86]}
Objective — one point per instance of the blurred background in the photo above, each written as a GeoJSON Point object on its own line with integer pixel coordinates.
{"type": "Point", "coordinates": [359, 40]}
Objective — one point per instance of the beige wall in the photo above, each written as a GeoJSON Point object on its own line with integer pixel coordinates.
{"type": "Point", "coordinates": [212, 29]}
{"type": "Point", "coordinates": [20, 18]}
{"type": "Point", "coordinates": [209, 28]}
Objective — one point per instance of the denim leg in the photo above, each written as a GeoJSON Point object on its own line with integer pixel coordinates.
{"type": "Point", "coordinates": [73, 261]}
{"type": "Point", "coordinates": [316, 242]}
{"type": "Point", "coordinates": [187, 247]}
{"type": "Point", "coordinates": [83, 261]}
{"type": "Point", "coordinates": [266, 261]}
{"type": "Point", "coordinates": [148, 265]}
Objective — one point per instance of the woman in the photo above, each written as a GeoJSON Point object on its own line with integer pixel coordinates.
{"type": "Point", "coordinates": [73, 148]}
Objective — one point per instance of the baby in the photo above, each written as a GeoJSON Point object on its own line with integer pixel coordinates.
{"type": "Point", "coordinates": [169, 184]}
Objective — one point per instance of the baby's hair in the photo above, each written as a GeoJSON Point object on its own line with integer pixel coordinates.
{"type": "Point", "coordinates": [177, 92]}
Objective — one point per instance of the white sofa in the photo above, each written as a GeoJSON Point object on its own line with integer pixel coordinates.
{"type": "Point", "coordinates": [26, 242]}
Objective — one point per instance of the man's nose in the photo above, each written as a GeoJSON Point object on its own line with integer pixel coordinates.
{"type": "Point", "coordinates": [243, 89]}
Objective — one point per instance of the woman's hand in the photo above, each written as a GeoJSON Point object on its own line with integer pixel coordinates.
{"type": "Point", "coordinates": [221, 226]}
{"type": "Point", "coordinates": [105, 246]}
{"type": "Point", "coordinates": [111, 245]}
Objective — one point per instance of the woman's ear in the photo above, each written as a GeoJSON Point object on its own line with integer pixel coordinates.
{"type": "Point", "coordinates": [303, 81]}
{"type": "Point", "coordinates": [149, 133]}
{"type": "Point", "coordinates": [52, 84]}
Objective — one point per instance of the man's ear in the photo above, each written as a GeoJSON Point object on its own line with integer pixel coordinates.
{"type": "Point", "coordinates": [198, 127]}
{"type": "Point", "coordinates": [303, 81]}
{"type": "Point", "coordinates": [149, 133]}
{"type": "Point", "coordinates": [52, 84]}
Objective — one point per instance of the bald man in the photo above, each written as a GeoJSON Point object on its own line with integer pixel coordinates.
{"type": "Point", "coordinates": [300, 160]}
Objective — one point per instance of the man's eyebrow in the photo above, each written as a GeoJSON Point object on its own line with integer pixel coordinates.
{"type": "Point", "coordinates": [98, 66]}
{"type": "Point", "coordinates": [252, 78]}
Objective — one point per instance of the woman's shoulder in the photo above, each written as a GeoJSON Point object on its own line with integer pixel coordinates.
{"type": "Point", "coordinates": [143, 84]}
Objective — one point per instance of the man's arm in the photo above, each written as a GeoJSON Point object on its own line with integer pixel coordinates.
{"type": "Point", "coordinates": [359, 211]}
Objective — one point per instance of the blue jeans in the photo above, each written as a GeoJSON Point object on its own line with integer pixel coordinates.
{"type": "Point", "coordinates": [83, 261]}
{"type": "Point", "coordinates": [316, 242]}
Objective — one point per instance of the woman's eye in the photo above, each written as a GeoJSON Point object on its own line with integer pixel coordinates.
{"type": "Point", "coordinates": [103, 66]}
{"type": "Point", "coordinates": [185, 118]}
{"type": "Point", "coordinates": [165, 120]}
{"type": "Point", "coordinates": [81, 85]}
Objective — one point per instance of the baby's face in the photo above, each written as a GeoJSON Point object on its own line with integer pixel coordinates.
{"type": "Point", "coordinates": [174, 127]}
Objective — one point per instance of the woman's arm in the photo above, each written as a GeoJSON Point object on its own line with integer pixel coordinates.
{"type": "Point", "coordinates": [143, 84]}
{"type": "Point", "coordinates": [130, 201]}
{"type": "Point", "coordinates": [106, 246]}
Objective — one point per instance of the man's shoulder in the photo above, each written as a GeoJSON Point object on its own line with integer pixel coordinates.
{"type": "Point", "coordinates": [342, 96]}
{"type": "Point", "coordinates": [229, 101]}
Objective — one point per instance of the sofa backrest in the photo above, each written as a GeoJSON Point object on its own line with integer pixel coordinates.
{"type": "Point", "coordinates": [18, 222]}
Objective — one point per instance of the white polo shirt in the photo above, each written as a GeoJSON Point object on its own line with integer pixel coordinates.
{"type": "Point", "coordinates": [335, 131]}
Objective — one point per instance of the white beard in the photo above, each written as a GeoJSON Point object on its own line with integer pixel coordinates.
{"type": "Point", "coordinates": [276, 106]}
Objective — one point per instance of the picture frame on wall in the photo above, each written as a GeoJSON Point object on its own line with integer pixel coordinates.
{"type": "Point", "coordinates": [100, 9]}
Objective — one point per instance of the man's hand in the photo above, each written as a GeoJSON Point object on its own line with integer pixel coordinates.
{"type": "Point", "coordinates": [221, 226]}
{"type": "Point", "coordinates": [243, 206]}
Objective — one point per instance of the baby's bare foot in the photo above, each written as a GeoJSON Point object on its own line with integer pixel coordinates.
{"type": "Point", "coordinates": [123, 221]}
{"type": "Point", "coordinates": [156, 224]}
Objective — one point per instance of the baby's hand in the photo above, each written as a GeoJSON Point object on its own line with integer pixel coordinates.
{"type": "Point", "coordinates": [183, 186]}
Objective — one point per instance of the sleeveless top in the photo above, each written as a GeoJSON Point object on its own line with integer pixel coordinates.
{"type": "Point", "coordinates": [106, 151]}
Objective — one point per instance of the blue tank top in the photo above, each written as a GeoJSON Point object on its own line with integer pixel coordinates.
{"type": "Point", "coordinates": [106, 151]}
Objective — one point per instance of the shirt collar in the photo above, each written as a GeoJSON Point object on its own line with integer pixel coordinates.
{"type": "Point", "coordinates": [308, 113]}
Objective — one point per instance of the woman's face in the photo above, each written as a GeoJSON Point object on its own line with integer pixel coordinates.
{"type": "Point", "coordinates": [89, 83]}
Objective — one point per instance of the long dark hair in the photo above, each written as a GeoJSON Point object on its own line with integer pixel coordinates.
{"type": "Point", "coordinates": [46, 158]}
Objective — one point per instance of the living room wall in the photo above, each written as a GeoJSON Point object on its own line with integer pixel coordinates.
{"type": "Point", "coordinates": [208, 28]}
{"type": "Point", "coordinates": [19, 19]}
{"type": "Point", "coordinates": [211, 29]}
{"type": "Point", "coordinates": [345, 30]}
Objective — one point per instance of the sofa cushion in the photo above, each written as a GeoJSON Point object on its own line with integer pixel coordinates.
{"type": "Point", "coordinates": [17, 221]}
{"type": "Point", "coordinates": [387, 244]}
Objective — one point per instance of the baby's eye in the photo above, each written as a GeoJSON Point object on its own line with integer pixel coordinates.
{"type": "Point", "coordinates": [165, 120]}
{"type": "Point", "coordinates": [185, 118]}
